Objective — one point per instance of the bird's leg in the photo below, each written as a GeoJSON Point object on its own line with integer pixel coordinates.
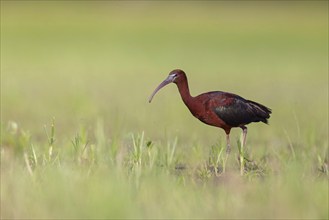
{"type": "Point", "coordinates": [244, 135]}
{"type": "Point", "coordinates": [242, 145]}
{"type": "Point", "coordinates": [228, 146]}
{"type": "Point", "coordinates": [228, 150]}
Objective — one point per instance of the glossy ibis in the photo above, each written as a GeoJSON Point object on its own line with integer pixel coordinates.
{"type": "Point", "coordinates": [220, 109]}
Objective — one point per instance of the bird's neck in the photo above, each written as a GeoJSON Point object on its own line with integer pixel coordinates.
{"type": "Point", "coordinates": [184, 92]}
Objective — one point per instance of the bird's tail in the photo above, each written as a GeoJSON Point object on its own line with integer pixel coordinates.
{"type": "Point", "coordinates": [262, 112]}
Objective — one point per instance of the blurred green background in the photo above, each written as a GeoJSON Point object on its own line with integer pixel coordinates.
{"type": "Point", "coordinates": [80, 61]}
{"type": "Point", "coordinates": [85, 62]}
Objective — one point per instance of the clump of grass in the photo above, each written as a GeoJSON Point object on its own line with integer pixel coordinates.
{"type": "Point", "coordinates": [323, 164]}
{"type": "Point", "coordinates": [15, 139]}
{"type": "Point", "coordinates": [169, 155]}
{"type": "Point", "coordinates": [51, 138]}
{"type": "Point", "coordinates": [204, 173]}
{"type": "Point", "coordinates": [152, 154]}
{"type": "Point", "coordinates": [83, 152]}
{"type": "Point", "coordinates": [217, 161]}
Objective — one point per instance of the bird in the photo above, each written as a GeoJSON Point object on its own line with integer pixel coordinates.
{"type": "Point", "coordinates": [217, 108]}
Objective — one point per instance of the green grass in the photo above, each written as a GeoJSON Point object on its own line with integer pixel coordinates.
{"type": "Point", "coordinates": [80, 140]}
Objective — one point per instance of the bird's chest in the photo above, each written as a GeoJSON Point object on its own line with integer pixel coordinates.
{"type": "Point", "coordinates": [205, 115]}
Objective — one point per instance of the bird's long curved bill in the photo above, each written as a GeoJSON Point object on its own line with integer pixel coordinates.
{"type": "Point", "coordinates": [164, 83]}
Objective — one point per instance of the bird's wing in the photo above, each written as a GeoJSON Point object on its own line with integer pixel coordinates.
{"type": "Point", "coordinates": [233, 109]}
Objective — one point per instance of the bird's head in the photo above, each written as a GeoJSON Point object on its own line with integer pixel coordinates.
{"type": "Point", "coordinates": [175, 76]}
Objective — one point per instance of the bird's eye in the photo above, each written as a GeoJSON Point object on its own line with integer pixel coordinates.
{"type": "Point", "coordinates": [172, 76]}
